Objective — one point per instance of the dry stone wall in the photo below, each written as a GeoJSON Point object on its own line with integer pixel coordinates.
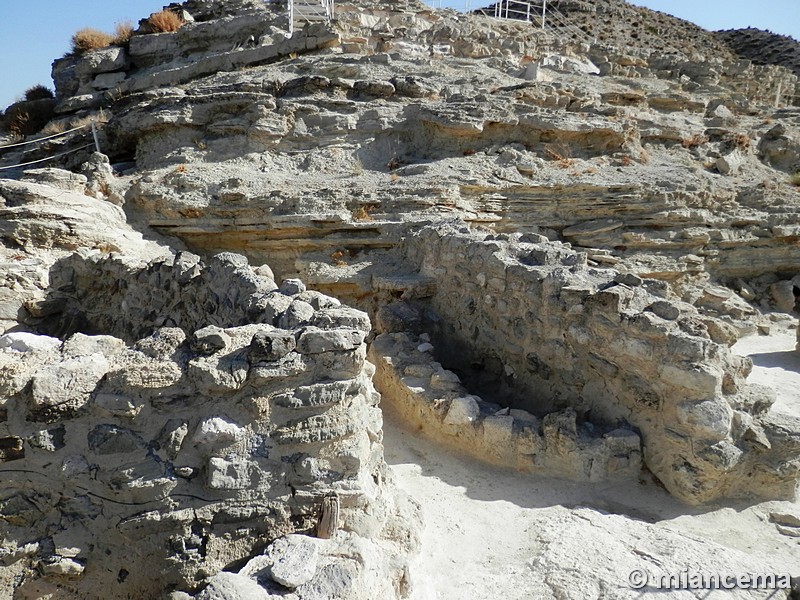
{"type": "Point", "coordinates": [531, 321]}
{"type": "Point", "coordinates": [434, 400]}
{"type": "Point", "coordinates": [207, 413]}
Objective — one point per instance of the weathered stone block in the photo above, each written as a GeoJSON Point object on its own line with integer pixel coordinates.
{"type": "Point", "coordinates": [229, 474]}
{"type": "Point", "coordinates": [707, 419]}
{"type": "Point", "coordinates": [112, 439]}
{"type": "Point", "coordinates": [295, 559]}
{"type": "Point", "coordinates": [66, 385]}
{"type": "Point", "coordinates": [462, 411]}
{"type": "Point", "coordinates": [217, 431]}
{"type": "Point", "coordinates": [209, 340]}
{"type": "Point", "coordinates": [271, 345]}
{"type": "Point", "coordinates": [290, 287]}
{"type": "Point", "coordinates": [315, 341]}
{"type": "Point", "coordinates": [231, 586]}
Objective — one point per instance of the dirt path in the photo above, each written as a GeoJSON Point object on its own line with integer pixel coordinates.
{"type": "Point", "coordinates": [776, 364]}
{"type": "Point", "coordinates": [497, 534]}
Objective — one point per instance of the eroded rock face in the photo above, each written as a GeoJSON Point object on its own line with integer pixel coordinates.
{"type": "Point", "coordinates": [195, 434]}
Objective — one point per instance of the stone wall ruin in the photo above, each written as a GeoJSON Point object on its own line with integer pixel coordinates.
{"type": "Point", "coordinates": [530, 324]}
{"type": "Point", "coordinates": [207, 414]}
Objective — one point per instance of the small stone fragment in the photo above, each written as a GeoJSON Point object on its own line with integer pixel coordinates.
{"type": "Point", "coordinates": [290, 287]}
{"type": "Point", "coordinates": [462, 411]}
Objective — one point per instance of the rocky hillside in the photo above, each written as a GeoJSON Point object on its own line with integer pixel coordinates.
{"type": "Point", "coordinates": [548, 245]}
{"type": "Point", "coordinates": [764, 47]}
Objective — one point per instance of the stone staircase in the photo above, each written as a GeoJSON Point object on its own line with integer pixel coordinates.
{"type": "Point", "coordinates": [302, 12]}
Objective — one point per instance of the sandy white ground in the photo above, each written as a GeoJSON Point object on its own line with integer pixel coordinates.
{"type": "Point", "coordinates": [496, 534]}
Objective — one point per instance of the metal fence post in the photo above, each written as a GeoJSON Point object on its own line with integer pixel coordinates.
{"type": "Point", "coordinates": [94, 135]}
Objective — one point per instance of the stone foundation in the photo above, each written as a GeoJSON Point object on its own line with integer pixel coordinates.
{"type": "Point", "coordinates": [432, 399]}
{"type": "Point", "coordinates": [528, 322]}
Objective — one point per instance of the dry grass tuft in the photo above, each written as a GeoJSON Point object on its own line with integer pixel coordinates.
{"type": "Point", "coordinates": [362, 213]}
{"type": "Point", "coordinates": [17, 122]}
{"type": "Point", "coordinates": [698, 139]}
{"type": "Point", "coordinates": [795, 179]}
{"type": "Point", "coordinates": [54, 127]}
{"type": "Point", "coordinates": [29, 117]}
{"type": "Point", "coordinates": [561, 153]}
{"type": "Point", "coordinates": [338, 258]}
{"type": "Point", "coordinates": [741, 140]}
{"type": "Point", "coordinates": [88, 39]}
{"type": "Point", "coordinates": [165, 21]}
{"type": "Point", "coordinates": [123, 32]}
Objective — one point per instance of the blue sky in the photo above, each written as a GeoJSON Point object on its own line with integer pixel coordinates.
{"type": "Point", "coordinates": [35, 32]}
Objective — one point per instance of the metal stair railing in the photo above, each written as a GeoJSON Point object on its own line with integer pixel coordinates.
{"type": "Point", "coordinates": [302, 12]}
{"type": "Point", "coordinates": [541, 12]}
{"type": "Point", "coordinates": [563, 22]}
{"type": "Point", "coordinates": [522, 10]}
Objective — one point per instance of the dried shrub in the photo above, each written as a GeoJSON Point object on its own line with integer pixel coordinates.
{"type": "Point", "coordinates": [38, 92]}
{"type": "Point", "coordinates": [165, 21]}
{"type": "Point", "coordinates": [123, 32]}
{"type": "Point", "coordinates": [363, 212]}
{"type": "Point", "coordinates": [561, 153]}
{"type": "Point", "coordinates": [54, 127]}
{"type": "Point", "coordinates": [741, 141]}
{"type": "Point", "coordinates": [17, 121]}
{"type": "Point", "coordinates": [698, 139]}
{"type": "Point", "coordinates": [88, 39]}
{"type": "Point", "coordinates": [338, 258]}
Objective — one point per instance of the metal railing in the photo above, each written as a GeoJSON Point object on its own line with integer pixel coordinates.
{"type": "Point", "coordinates": [302, 12]}
{"type": "Point", "coordinates": [95, 142]}
{"type": "Point", "coordinates": [522, 10]}
{"type": "Point", "coordinates": [542, 13]}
